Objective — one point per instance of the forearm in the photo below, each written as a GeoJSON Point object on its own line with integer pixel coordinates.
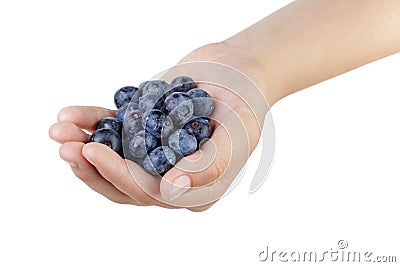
{"type": "Point", "coordinates": [310, 41]}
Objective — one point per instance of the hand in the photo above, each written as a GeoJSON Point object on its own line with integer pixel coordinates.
{"type": "Point", "coordinates": [236, 132]}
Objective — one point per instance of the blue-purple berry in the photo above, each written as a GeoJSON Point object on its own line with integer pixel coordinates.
{"type": "Point", "coordinates": [159, 160]}
{"type": "Point", "coordinates": [132, 122]}
{"type": "Point", "coordinates": [185, 82]}
{"type": "Point", "coordinates": [179, 107]}
{"type": "Point", "coordinates": [157, 123]}
{"type": "Point", "coordinates": [141, 143]}
{"type": "Point", "coordinates": [124, 95]}
{"type": "Point", "coordinates": [156, 87]}
{"type": "Point", "coordinates": [121, 112]}
{"type": "Point", "coordinates": [110, 123]}
{"type": "Point", "coordinates": [150, 101]}
{"type": "Point", "coordinates": [203, 105]}
{"type": "Point", "coordinates": [108, 137]}
{"type": "Point", "coordinates": [182, 142]}
{"type": "Point", "coordinates": [200, 128]}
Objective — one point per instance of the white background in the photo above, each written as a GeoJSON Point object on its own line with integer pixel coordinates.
{"type": "Point", "coordinates": [335, 174]}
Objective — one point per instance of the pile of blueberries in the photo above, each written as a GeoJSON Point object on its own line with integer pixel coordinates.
{"type": "Point", "coordinates": [157, 123]}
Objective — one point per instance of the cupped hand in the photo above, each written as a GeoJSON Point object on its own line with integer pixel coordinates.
{"type": "Point", "coordinates": [197, 181]}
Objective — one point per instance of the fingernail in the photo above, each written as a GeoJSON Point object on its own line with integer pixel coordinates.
{"type": "Point", "coordinates": [179, 186]}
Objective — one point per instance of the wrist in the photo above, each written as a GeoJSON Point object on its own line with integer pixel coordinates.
{"type": "Point", "coordinates": [260, 67]}
{"type": "Point", "coordinates": [245, 60]}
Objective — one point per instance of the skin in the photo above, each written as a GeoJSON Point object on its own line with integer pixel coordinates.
{"type": "Point", "coordinates": [304, 43]}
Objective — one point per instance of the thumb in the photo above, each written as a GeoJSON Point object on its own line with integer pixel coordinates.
{"type": "Point", "coordinates": [205, 175]}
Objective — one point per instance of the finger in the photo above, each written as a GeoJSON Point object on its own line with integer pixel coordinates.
{"type": "Point", "coordinates": [219, 159]}
{"type": "Point", "coordinates": [65, 131]}
{"type": "Point", "coordinates": [72, 153]}
{"type": "Point", "coordinates": [141, 186]}
{"type": "Point", "coordinates": [85, 117]}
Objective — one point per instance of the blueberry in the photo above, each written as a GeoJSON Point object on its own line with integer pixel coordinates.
{"type": "Point", "coordinates": [199, 127]}
{"type": "Point", "coordinates": [175, 89]}
{"type": "Point", "coordinates": [185, 82]}
{"type": "Point", "coordinates": [147, 165]}
{"type": "Point", "coordinates": [157, 123]}
{"type": "Point", "coordinates": [124, 95]}
{"type": "Point", "coordinates": [141, 143]}
{"type": "Point", "coordinates": [137, 95]}
{"type": "Point", "coordinates": [182, 142]}
{"type": "Point", "coordinates": [127, 154]}
{"type": "Point", "coordinates": [108, 137]}
{"type": "Point", "coordinates": [132, 122]}
{"type": "Point", "coordinates": [125, 109]}
{"type": "Point", "coordinates": [179, 106]}
{"type": "Point", "coordinates": [138, 161]}
{"type": "Point", "coordinates": [125, 149]}
{"type": "Point", "coordinates": [150, 101]}
{"type": "Point", "coordinates": [180, 84]}
{"type": "Point", "coordinates": [156, 87]}
{"type": "Point", "coordinates": [151, 141]}
{"type": "Point", "coordinates": [110, 123]}
{"type": "Point", "coordinates": [159, 160]}
{"type": "Point", "coordinates": [121, 112]}
{"type": "Point", "coordinates": [203, 104]}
